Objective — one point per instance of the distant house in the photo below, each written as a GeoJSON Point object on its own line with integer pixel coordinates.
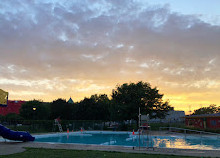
{"type": "Point", "coordinates": [171, 117]}
{"type": "Point", "coordinates": [175, 116]}
{"type": "Point", "coordinates": [210, 121]}
{"type": "Point", "coordinates": [12, 107]}
{"type": "Point", "coordinates": [70, 101]}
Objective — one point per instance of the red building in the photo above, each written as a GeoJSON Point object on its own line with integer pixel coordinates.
{"type": "Point", "coordinates": [205, 121]}
{"type": "Point", "coordinates": [13, 107]}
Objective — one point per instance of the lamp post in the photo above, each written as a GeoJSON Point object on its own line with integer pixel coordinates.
{"type": "Point", "coordinates": [139, 117]}
{"type": "Point", "coordinates": [34, 109]}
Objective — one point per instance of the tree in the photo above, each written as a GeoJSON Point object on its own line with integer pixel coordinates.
{"type": "Point", "coordinates": [61, 108]}
{"type": "Point", "coordinates": [207, 110]}
{"type": "Point", "coordinates": [102, 106]}
{"type": "Point", "coordinates": [94, 108]}
{"type": "Point", "coordinates": [127, 99]}
{"type": "Point", "coordinates": [13, 118]}
{"type": "Point", "coordinates": [35, 110]}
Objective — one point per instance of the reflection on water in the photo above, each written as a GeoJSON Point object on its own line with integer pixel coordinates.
{"type": "Point", "coordinates": [189, 142]}
{"type": "Point", "coordinates": [185, 143]}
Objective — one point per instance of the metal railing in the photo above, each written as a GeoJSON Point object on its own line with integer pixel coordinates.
{"type": "Point", "coordinates": [188, 131]}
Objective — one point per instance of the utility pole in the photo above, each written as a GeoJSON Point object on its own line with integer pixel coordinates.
{"type": "Point", "coordinates": [190, 110]}
{"type": "Point", "coordinates": [139, 132]}
{"type": "Point", "coordinates": [139, 116]}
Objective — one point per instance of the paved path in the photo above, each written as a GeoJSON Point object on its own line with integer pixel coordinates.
{"type": "Point", "coordinates": [7, 148]}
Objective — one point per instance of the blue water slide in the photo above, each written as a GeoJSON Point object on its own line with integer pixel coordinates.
{"type": "Point", "coordinates": [14, 135]}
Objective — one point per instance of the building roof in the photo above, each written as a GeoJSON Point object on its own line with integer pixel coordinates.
{"type": "Point", "coordinates": [204, 115]}
{"type": "Point", "coordinates": [70, 101]}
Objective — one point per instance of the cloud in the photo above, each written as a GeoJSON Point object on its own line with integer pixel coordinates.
{"type": "Point", "coordinates": [106, 42]}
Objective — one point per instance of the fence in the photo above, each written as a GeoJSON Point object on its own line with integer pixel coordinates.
{"type": "Point", "coordinates": [189, 131]}
{"type": "Point", "coordinates": [36, 126]}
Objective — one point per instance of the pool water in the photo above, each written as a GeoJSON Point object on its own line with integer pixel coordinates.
{"type": "Point", "coordinates": [127, 139]}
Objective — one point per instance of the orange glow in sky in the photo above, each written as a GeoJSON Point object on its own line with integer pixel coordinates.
{"type": "Point", "coordinates": [56, 49]}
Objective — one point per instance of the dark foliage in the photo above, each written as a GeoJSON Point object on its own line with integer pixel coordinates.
{"type": "Point", "coordinates": [35, 109]}
{"type": "Point", "coordinates": [61, 108]}
{"type": "Point", "coordinates": [94, 108]}
{"type": "Point", "coordinates": [207, 110]}
{"type": "Point", "coordinates": [127, 99]}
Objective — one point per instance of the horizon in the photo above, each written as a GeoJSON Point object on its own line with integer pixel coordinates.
{"type": "Point", "coordinates": [57, 49]}
{"type": "Point", "coordinates": [189, 112]}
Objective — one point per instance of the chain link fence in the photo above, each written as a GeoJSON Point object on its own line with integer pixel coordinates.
{"type": "Point", "coordinates": [39, 126]}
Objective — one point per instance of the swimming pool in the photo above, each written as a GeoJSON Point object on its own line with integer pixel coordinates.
{"type": "Point", "coordinates": [127, 139]}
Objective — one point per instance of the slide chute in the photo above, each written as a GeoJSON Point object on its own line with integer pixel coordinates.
{"type": "Point", "coordinates": [8, 133]}
{"type": "Point", "coordinates": [15, 135]}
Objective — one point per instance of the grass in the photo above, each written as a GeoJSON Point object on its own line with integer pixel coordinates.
{"type": "Point", "coordinates": [57, 153]}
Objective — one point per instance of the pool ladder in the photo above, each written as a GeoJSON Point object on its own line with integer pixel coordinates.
{"type": "Point", "coordinates": [147, 139]}
{"type": "Point", "coordinates": [59, 125]}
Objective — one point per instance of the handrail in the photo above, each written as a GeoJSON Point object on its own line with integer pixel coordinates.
{"type": "Point", "coordinates": [185, 130]}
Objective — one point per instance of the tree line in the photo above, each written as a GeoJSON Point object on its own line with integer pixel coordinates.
{"type": "Point", "coordinates": [211, 109]}
{"type": "Point", "coordinates": [123, 105]}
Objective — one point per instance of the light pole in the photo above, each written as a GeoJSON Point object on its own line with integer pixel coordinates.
{"type": "Point", "coordinates": [139, 115]}
{"type": "Point", "coordinates": [34, 109]}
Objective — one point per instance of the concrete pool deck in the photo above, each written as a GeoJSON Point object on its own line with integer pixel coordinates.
{"type": "Point", "coordinates": [8, 147]}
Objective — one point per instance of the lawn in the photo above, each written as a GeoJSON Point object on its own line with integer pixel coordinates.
{"type": "Point", "coordinates": [58, 153]}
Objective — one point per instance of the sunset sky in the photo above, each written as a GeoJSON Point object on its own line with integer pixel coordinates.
{"type": "Point", "coordinates": [53, 49]}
